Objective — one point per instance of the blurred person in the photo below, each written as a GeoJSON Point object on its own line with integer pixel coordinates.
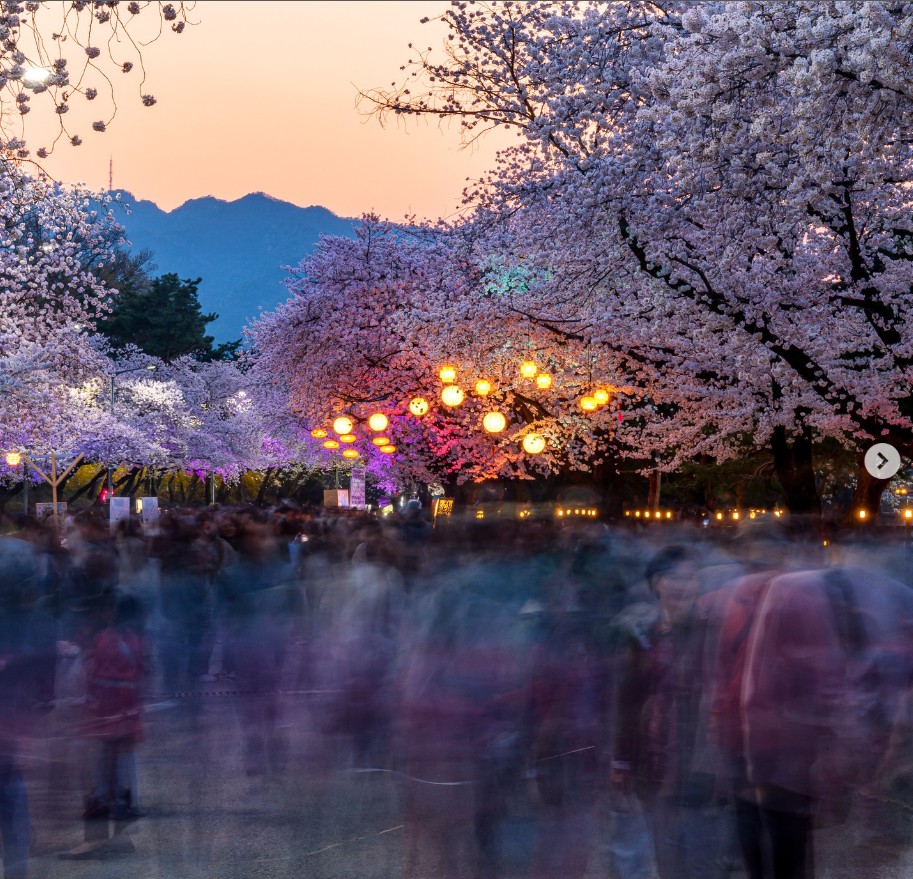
{"type": "Point", "coordinates": [658, 719]}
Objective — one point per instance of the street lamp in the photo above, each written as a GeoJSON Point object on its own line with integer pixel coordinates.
{"type": "Point", "coordinates": [151, 368]}
{"type": "Point", "coordinates": [13, 460]}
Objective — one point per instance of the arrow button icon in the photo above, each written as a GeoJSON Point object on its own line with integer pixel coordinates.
{"type": "Point", "coordinates": [882, 461]}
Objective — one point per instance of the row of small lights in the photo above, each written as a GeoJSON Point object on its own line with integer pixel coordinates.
{"type": "Point", "coordinates": [577, 512]}
{"type": "Point", "coordinates": [343, 427]}
{"type": "Point", "coordinates": [648, 514]}
{"type": "Point", "coordinates": [906, 512]}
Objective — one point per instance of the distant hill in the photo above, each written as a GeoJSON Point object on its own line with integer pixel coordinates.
{"type": "Point", "coordinates": [237, 247]}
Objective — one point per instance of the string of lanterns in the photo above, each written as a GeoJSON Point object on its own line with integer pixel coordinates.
{"type": "Point", "coordinates": [343, 427]}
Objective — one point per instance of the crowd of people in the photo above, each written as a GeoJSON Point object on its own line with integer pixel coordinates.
{"type": "Point", "coordinates": [720, 697]}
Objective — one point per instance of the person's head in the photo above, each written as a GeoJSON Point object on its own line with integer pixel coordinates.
{"type": "Point", "coordinates": [672, 577]}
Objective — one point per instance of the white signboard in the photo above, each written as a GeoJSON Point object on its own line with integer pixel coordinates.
{"type": "Point", "coordinates": [118, 509]}
{"type": "Point", "coordinates": [357, 488]}
{"type": "Point", "coordinates": [335, 497]}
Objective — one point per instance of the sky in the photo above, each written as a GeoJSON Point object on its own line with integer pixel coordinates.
{"type": "Point", "coordinates": [260, 97]}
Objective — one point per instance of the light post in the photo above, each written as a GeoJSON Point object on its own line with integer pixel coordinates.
{"type": "Point", "coordinates": [14, 459]}
{"type": "Point", "coordinates": [151, 368]}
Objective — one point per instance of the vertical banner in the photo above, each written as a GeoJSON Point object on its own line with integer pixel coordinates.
{"type": "Point", "coordinates": [357, 488]}
{"type": "Point", "coordinates": [118, 509]}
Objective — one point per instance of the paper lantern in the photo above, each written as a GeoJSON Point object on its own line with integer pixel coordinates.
{"type": "Point", "coordinates": [331, 444]}
{"type": "Point", "coordinates": [418, 406]}
{"type": "Point", "coordinates": [347, 438]}
{"type": "Point", "coordinates": [448, 374]}
{"type": "Point", "coordinates": [343, 424]}
{"type": "Point", "coordinates": [533, 443]}
{"type": "Point", "coordinates": [381, 441]}
{"type": "Point", "coordinates": [378, 421]}
{"type": "Point", "coordinates": [588, 404]}
{"type": "Point", "coordinates": [452, 395]}
{"type": "Point", "coordinates": [543, 381]}
{"type": "Point", "coordinates": [528, 369]}
{"type": "Point", "coordinates": [494, 422]}
{"type": "Point", "coordinates": [13, 459]}
{"type": "Point", "coordinates": [483, 387]}
{"type": "Point", "coordinates": [601, 396]}
{"type": "Point", "coordinates": [350, 453]}
{"type": "Point", "coordinates": [388, 450]}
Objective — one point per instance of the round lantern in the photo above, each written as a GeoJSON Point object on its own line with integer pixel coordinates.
{"type": "Point", "coordinates": [448, 374]}
{"type": "Point", "coordinates": [350, 453]}
{"type": "Point", "coordinates": [343, 424]}
{"type": "Point", "coordinates": [533, 443]}
{"type": "Point", "coordinates": [543, 381]}
{"type": "Point", "coordinates": [452, 395]}
{"type": "Point", "coordinates": [418, 406]}
{"type": "Point", "coordinates": [318, 433]}
{"type": "Point", "coordinates": [528, 369]}
{"type": "Point", "coordinates": [588, 404]}
{"type": "Point", "coordinates": [494, 422]}
{"type": "Point", "coordinates": [381, 441]}
{"type": "Point", "coordinates": [388, 450]}
{"type": "Point", "coordinates": [483, 387]}
{"type": "Point", "coordinates": [601, 396]}
{"type": "Point", "coordinates": [378, 421]}
{"type": "Point", "coordinates": [13, 459]}
{"type": "Point", "coordinates": [331, 444]}
{"type": "Point", "coordinates": [347, 438]}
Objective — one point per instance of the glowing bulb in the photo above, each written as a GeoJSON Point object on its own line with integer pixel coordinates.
{"type": "Point", "coordinates": [378, 421]}
{"type": "Point", "coordinates": [418, 406]}
{"type": "Point", "coordinates": [318, 433]}
{"type": "Point", "coordinates": [863, 514]}
{"type": "Point", "coordinates": [719, 517]}
{"type": "Point", "coordinates": [483, 387]}
{"type": "Point", "coordinates": [907, 513]}
{"type": "Point", "coordinates": [452, 396]}
{"type": "Point", "coordinates": [343, 424]}
{"type": "Point", "coordinates": [347, 438]}
{"type": "Point", "coordinates": [528, 369]}
{"type": "Point", "coordinates": [350, 453]}
{"type": "Point", "coordinates": [588, 404]}
{"type": "Point", "coordinates": [448, 374]}
{"type": "Point", "coordinates": [601, 396]}
{"type": "Point", "coordinates": [494, 422]}
{"type": "Point", "coordinates": [381, 441]}
{"type": "Point", "coordinates": [543, 381]}
{"type": "Point", "coordinates": [533, 443]}
{"type": "Point", "coordinates": [388, 450]}
{"type": "Point", "coordinates": [13, 459]}
{"type": "Point", "coordinates": [331, 444]}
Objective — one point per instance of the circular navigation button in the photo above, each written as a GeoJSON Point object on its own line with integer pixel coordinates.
{"type": "Point", "coordinates": [882, 461]}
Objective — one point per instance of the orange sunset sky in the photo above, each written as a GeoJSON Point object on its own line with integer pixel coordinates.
{"type": "Point", "coordinates": [260, 96]}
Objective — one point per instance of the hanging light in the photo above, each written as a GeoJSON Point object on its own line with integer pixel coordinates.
{"type": "Point", "coordinates": [318, 433]}
{"type": "Point", "coordinates": [388, 450]}
{"type": "Point", "coordinates": [533, 443]}
{"type": "Point", "coordinates": [418, 406]}
{"type": "Point", "coordinates": [347, 438]}
{"type": "Point", "coordinates": [378, 421]}
{"type": "Point", "coordinates": [381, 441]}
{"type": "Point", "coordinates": [494, 422]}
{"type": "Point", "coordinates": [483, 387]}
{"type": "Point", "coordinates": [13, 459]}
{"type": "Point", "coordinates": [543, 381]}
{"type": "Point", "coordinates": [528, 369]}
{"type": "Point", "coordinates": [343, 424]}
{"type": "Point", "coordinates": [601, 396]}
{"type": "Point", "coordinates": [331, 444]}
{"type": "Point", "coordinates": [452, 395]}
{"type": "Point", "coordinates": [448, 374]}
{"type": "Point", "coordinates": [588, 404]}
{"type": "Point", "coordinates": [350, 453]}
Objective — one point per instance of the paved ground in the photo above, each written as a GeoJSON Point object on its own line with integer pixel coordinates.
{"type": "Point", "coordinates": [318, 819]}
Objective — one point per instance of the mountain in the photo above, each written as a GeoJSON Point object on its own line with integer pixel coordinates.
{"type": "Point", "coordinates": [237, 247]}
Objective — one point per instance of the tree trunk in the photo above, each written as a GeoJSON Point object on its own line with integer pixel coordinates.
{"type": "Point", "coordinates": [90, 486]}
{"type": "Point", "coordinates": [867, 496]}
{"type": "Point", "coordinates": [795, 469]}
{"type": "Point", "coordinates": [261, 494]}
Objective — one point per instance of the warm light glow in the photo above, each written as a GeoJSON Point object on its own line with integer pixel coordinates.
{"type": "Point", "coordinates": [318, 433]}
{"type": "Point", "coordinates": [601, 396]}
{"type": "Point", "coordinates": [647, 514]}
{"type": "Point", "coordinates": [452, 395]}
{"type": "Point", "coordinates": [378, 421]}
{"type": "Point", "coordinates": [418, 406]}
{"type": "Point", "coordinates": [331, 444]}
{"type": "Point", "coordinates": [735, 515]}
{"type": "Point", "coordinates": [533, 443]}
{"type": "Point", "coordinates": [343, 424]}
{"type": "Point", "coordinates": [483, 387]}
{"type": "Point", "coordinates": [528, 369]}
{"type": "Point", "coordinates": [448, 374]}
{"type": "Point", "coordinates": [13, 459]}
{"type": "Point", "coordinates": [36, 76]}
{"type": "Point", "coordinates": [907, 513]}
{"type": "Point", "coordinates": [719, 516]}
{"type": "Point", "coordinates": [637, 514]}
{"type": "Point", "coordinates": [388, 450]}
{"type": "Point", "coordinates": [494, 422]}
{"type": "Point", "coordinates": [543, 381]}
{"type": "Point", "coordinates": [668, 515]}
{"type": "Point", "coordinates": [588, 404]}
{"type": "Point", "coordinates": [350, 453]}
{"type": "Point", "coordinates": [863, 514]}
{"type": "Point", "coordinates": [347, 438]}
{"type": "Point", "coordinates": [381, 441]}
